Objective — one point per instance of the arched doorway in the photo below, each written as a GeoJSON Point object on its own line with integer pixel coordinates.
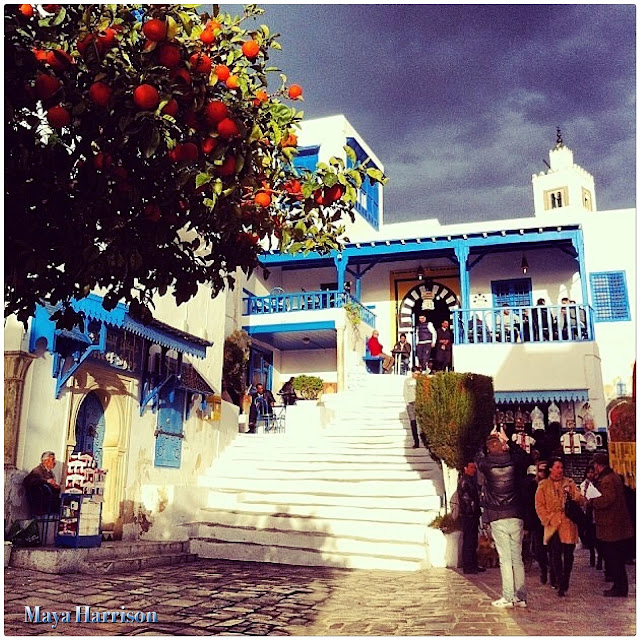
{"type": "Point", "coordinates": [433, 299]}
{"type": "Point", "coordinates": [90, 428]}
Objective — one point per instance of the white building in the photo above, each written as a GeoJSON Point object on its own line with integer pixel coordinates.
{"type": "Point", "coordinates": [145, 400]}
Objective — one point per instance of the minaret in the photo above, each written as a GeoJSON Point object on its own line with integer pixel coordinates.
{"type": "Point", "coordinates": [565, 186]}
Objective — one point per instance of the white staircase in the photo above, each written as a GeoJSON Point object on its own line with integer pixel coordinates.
{"type": "Point", "coordinates": [354, 495]}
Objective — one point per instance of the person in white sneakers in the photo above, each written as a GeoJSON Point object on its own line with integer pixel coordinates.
{"type": "Point", "coordinates": [503, 470]}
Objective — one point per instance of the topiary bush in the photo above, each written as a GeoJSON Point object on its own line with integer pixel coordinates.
{"type": "Point", "coordinates": [308, 387]}
{"type": "Point", "coordinates": [455, 411]}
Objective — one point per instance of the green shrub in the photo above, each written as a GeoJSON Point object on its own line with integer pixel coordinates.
{"type": "Point", "coordinates": [455, 411]}
{"type": "Point", "coordinates": [446, 523]}
{"type": "Point", "coordinates": [308, 387]}
{"type": "Point", "coordinates": [235, 361]}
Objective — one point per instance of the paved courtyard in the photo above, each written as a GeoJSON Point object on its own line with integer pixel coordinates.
{"type": "Point", "coordinates": [219, 597]}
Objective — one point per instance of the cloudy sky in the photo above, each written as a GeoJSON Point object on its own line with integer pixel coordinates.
{"type": "Point", "coordinates": [461, 102]}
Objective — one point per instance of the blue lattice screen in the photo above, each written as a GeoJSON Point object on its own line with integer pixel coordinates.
{"type": "Point", "coordinates": [609, 296]}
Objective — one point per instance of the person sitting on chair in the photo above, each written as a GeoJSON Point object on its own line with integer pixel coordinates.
{"type": "Point", "coordinates": [375, 349]}
{"type": "Point", "coordinates": [288, 393]}
{"type": "Point", "coordinates": [402, 350]}
{"type": "Point", "coordinates": [43, 490]}
{"type": "Point", "coordinates": [262, 402]}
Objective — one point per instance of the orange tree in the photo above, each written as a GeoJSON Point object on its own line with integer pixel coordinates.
{"type": "Point", "coordinates": [146, 153]}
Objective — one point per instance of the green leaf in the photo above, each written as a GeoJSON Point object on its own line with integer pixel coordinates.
{"type": "Point", "coordinates": [351, 154]}
{"type": "Point", "coordinates": [211, 202]}
{"type": "Point", "coordinates": [376, 174]}
{"type": "Point", "coordinates": [203, 178]}
{"type": "Point", "coordinates": [62, 14]}
{"type": "Point", "coordinates": [153, 143]}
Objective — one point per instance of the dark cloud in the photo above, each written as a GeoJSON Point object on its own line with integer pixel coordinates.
{"type": "Point", "coordinates": [460, 102]}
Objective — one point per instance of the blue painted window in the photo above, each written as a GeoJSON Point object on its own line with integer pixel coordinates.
{"type": "Point", "coordinates": [307, 158]}
{"type": "Point", "coordinates": [609, 296]}
{"type": "Point", "coordinates": [368, 204]}
{"type": "Point", "coordinates": [169, 432]}
{"type": "Point", "coordinates": [621, 389]}
{"type": "Point", "coordinates": [514, 293]}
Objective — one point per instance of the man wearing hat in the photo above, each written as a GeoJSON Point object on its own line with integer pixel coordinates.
{"type": "Point", "coordinates": [503, 470]}
{"type": "Point", "coordinates": [613, 524]}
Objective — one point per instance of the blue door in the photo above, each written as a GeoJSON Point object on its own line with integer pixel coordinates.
{"type": "Point", "coordinates": [90, 425]}
{"type": "Point", "coordinates": [261, 368]}
{"type": "Point", "coordinates": [169, 433]}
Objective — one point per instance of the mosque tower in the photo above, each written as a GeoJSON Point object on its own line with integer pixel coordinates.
{"type": "Point", "coordinates": [565, 186]}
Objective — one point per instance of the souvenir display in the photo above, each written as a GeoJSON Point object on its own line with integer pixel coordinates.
{"type": "Point", "coordinates": [537, 419]}
{"type": "Point", "coordinates": [554, 413]}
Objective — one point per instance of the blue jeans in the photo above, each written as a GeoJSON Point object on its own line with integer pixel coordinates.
{"type": "Point", "coordinates": [507, 535]}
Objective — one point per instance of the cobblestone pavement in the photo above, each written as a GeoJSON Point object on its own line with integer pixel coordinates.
{"type": "Point", "coordinates": [219, 597]}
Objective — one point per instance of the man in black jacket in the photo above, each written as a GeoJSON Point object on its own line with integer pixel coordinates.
{"type": "Point", "coordinates": [503, 469]}
{"type": "Point", "coordinates": [469, 502]}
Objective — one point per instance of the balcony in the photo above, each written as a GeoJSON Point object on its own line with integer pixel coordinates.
{"type": "Point", "coordinates": [524, 324]}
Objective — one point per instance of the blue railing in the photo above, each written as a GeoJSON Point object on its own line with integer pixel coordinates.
{"type": "Point", "coordinates": [304, 301]}
{"type": "Point", "coordinates": [562, 323]}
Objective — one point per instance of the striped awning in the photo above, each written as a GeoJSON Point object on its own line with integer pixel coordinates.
{"type": "Point", "coordinates": [557, 395]}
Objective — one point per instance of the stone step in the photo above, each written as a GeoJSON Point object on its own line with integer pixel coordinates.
{"type": "Point", "coordinates": [283, 501]}
{"type": "Point", "coordinates": [117, 555]}
{"type": "Point", "coordinates": [371, 488]}
{"type": "Point", "coordinates": [369, 529]}
{"type": "Point", "coordinates": [317, 541]}
{"type": "Point", "coordinates": [250, 552]}
{"type": "Point", "coordinates": [321, 466]}
{"type": "Point", "coordinates": [105, 566]}
{"type": "Point", "coordinates": [343, 474]}
{"type": "Point", "coordinates": [354, 513]}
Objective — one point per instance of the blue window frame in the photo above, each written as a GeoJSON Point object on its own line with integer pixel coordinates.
{"type": "Point", "coordinates": [169, 431]}
{"type": "Point", "coordinates": [514, 293]}
{"type": "Point", "coordinates": [368, 204]}
{"type": "Point", "coordinates": [307, 158]}
{"type": "Point", "coordinates": [621, 389]}
{"type": "Point", "coordinates": [609, 296]}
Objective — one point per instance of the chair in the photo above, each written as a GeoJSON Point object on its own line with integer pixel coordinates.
{"type": "Point", "coordinates": [43, 499]}
{"type": "Point", "coordinates": [274, 421]}
{"type": "Point", "coordinates": [372, 363]}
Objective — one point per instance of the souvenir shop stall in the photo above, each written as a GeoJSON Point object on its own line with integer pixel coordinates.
{"type": "Point", "coordinates": [81, 504]}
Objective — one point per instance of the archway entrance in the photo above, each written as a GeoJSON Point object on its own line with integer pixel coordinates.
{"type": "Point", "coordinates": [433, 299]}
{"type": "Point", "coordinates": [90, 428]}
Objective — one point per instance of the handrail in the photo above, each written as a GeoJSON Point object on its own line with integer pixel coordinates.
{"type": "Point", "coordinates": [560, 323]}
{"type": "Point", "coordinates": [305, 301]}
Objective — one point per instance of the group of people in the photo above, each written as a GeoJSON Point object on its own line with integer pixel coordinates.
{"type": "Point", "coordinates": [539, 326]}
{"type": "Point", "coordinates": [433, 348]}
{"type": "Point", "coordinates": [511, 505]}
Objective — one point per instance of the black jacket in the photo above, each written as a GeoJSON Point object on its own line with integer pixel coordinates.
{"type": "Point", "coordinates": [468, 497]}
{"type": "Point", "coordinates": [503, 476]}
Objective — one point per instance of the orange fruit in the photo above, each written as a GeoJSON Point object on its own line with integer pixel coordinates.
{"type": "Point", "coordinates": [334, 193]}
{"type": "Point", "coordinates": [213, 25]}
{"type": "Point", "coordinates": [46, 85]}
{"type": "Point", "coordinates": [251, 49]}
{"type": "Point", "coordinates": [233, 82]}
{"type": "Point", "coordinates": [175, 155]}
{"type": "Point", "coordinates": [146, 97]}
{"type": "Point", "coordinates": [262, 199]}
{"type": "Point", "coordinates": [84, 43]}
{"type": "Point", "coordinates": [295, 91]}
{"type": "Point", "coordinates": [261, 96]}
{"type": "Point", "coordinates": [209, 144]}
{"type": "Point", "coordinates": [318, 197]}
{"type": "Point", "coordinates": [189, 152]}
{"type": "Point", "coordinates": [207, 36]}
{"type": "Point", "coordinates": [155, 30]}
{"type": "Point", "coordinates": [171, 108]}
{"type": "Point", "coordinates": [290, 141]}
{"type": "Point", "coordinates": [228, 167]}
{"type": "Point", "coordinates": [168, 55]}
{"type": "Point", "coordinates": [200, 63]}
{"type": "Point", "coordinates": [26, 10]}
{"type": "Point", "coordinates": [216, 111]}
{"type": "Point", "coordinates": [100, 93]}
{"type": "Point", "coordinates": [58, 59]}
{"type": "Point", "coordinates": [107, 38]}
{"type": "Point", "coordinates": [58, 117]}
{"type": "Point", "coordinates": [222, 72]}
{"type": "Point", "coordinates": [227, 128]}
{"type": "Point", "coordinates": [182, 75]}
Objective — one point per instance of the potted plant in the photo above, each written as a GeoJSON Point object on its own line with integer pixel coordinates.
{"type": "Point", "coordinates": [445, 541]}
{"type": "Point", "coordinates": [308, 387]}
